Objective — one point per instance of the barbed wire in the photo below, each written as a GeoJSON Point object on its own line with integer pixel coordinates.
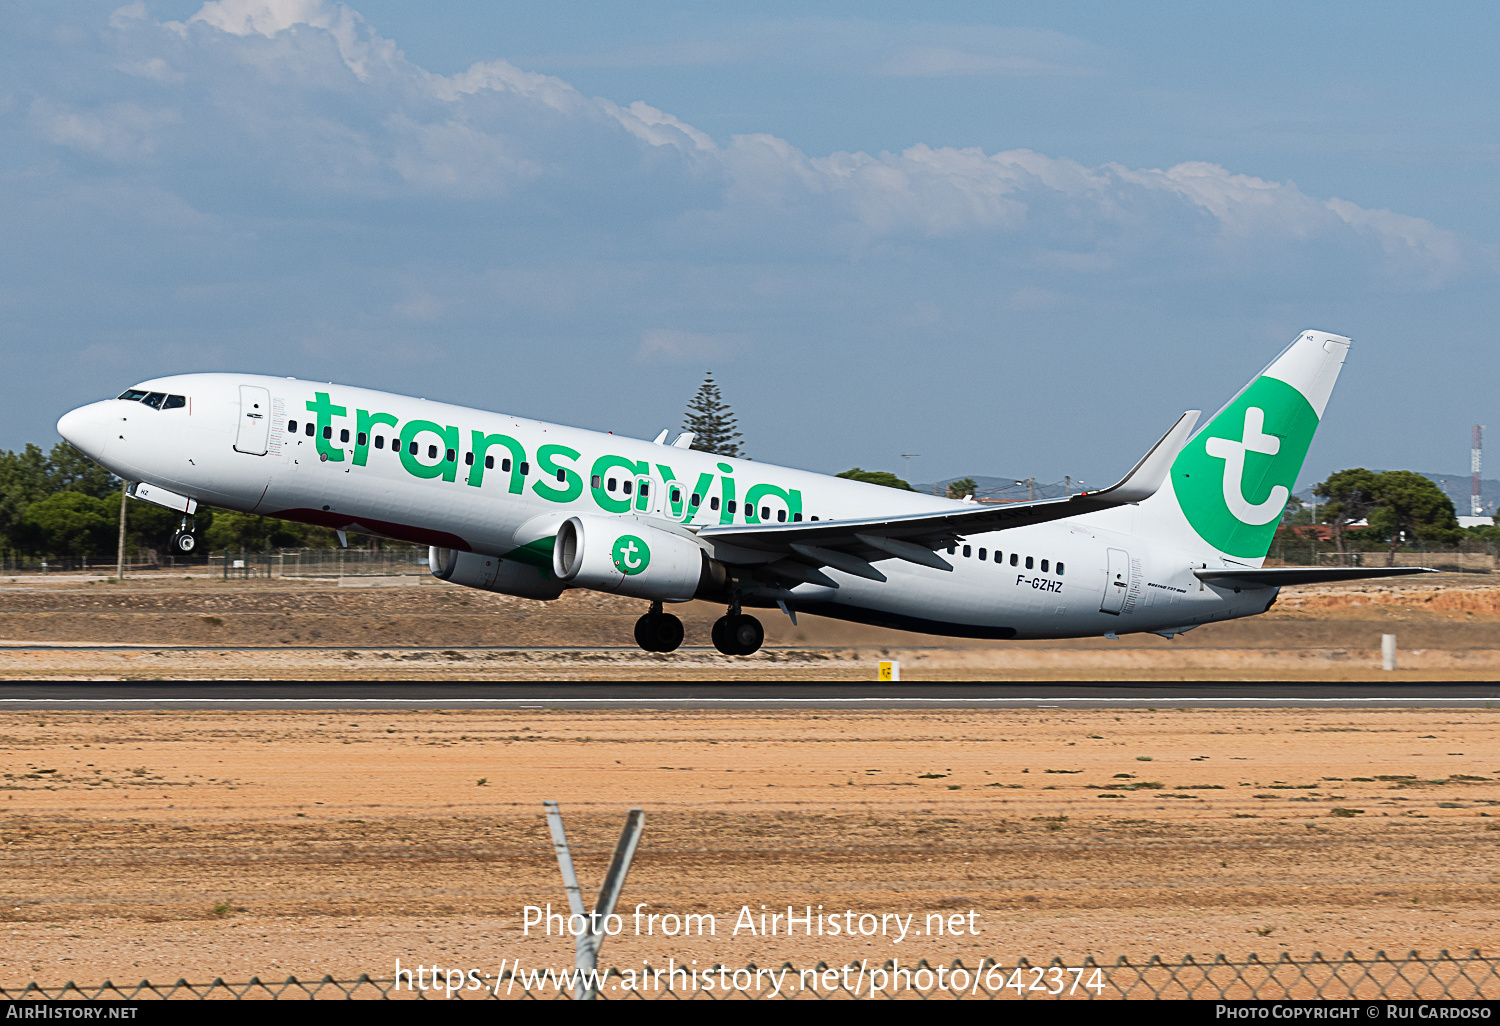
{"type": "Point", "coordinates": [1444, 977]}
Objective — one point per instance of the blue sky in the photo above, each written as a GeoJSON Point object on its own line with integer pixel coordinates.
{"type": "Point", "coordinates": [1013, 238]}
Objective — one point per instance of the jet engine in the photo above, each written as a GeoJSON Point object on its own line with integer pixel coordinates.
{"type": "Point", "coordinates": [627, 557]}
{"type": "Point", "coordinates": [491, 573]}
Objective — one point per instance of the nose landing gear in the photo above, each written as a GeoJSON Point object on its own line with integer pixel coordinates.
{"type": "Point", "coordinates": [658, 631]}
{"type": "Point", "coordinates": [185, 540]}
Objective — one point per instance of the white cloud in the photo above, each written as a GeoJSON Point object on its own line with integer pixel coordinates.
{"type": "Point", "coordinates": [304, 96]}
{"type": "Point", "coordinates": [117, 131]}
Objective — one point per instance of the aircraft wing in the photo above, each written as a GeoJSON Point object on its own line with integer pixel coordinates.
{"type": "Point", "coordinates": [1276, 576]}
{"type": "Point", "coordinates": [797, 550]}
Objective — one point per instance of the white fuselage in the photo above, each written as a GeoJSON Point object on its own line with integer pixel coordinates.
{"type": "Point", "coordinates": [494, 484]}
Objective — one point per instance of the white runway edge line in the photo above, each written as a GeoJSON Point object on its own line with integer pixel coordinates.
{"type": "Point", "coordinates": [533, 702]}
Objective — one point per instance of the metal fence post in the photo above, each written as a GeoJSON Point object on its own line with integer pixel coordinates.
{"type": "Point", "coordinates": [586, 949]}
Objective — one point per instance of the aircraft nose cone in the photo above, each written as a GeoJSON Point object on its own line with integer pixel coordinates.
{"type": "Point", "coordinates": [86, 430]}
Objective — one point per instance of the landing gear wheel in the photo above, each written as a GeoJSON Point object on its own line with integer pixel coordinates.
{"type": "Point", "coordinates": [658, 632]}
{"type": "Point", "coordinates": [184, 543]}
{"type": "Point", "coordinates": [738, 634]}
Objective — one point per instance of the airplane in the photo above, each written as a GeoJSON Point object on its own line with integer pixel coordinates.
{"type": "Point", "coordinates": [532, 509]}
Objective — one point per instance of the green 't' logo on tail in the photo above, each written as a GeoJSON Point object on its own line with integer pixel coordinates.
{"type": "Point", "coordinates": [1233, 480]}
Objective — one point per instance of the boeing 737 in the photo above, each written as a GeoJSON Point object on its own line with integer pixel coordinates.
{"type": "Point", "coordinates": [531, 509]}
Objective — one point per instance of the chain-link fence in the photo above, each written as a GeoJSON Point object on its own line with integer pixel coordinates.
{"type": "Point", "coordinates": [1350, 978]}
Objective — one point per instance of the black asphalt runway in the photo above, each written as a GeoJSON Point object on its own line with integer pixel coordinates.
{"type": "Point", "coordinates": [313, 696]}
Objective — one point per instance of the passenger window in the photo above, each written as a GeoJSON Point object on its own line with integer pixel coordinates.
{"type": "Point", "coordinates": [610, 485]}
{"type": "Point", "coordinates": [595, 482]}
{"type": "Point", "coordinates": [562, 476]}
{"type": "Point", "coordinates": [380, 441]}
{"type": "Point", "coordinates": [328, 433]}
{"type": "Point", "coordinates": [952, 549]}
{"type": "Point", "coordinates": [781, 515]}
{"type": "Point", "coordinates": [155, 399]}
{"type": "Point", "coordinates": [308, 429]}
{"type": "Point", "coordinates": [625, 485]}
{"type": "Point", "coordinates": [291, 426]}
{"type": "Point", "coordinates": [413, 449]}
{"type": "Point", "coordinates": [1044, 566]}
{"type": "Point", "coordinates": [174, 402]}
{"type": "Point", "coordinates": [983, 555]}
{"type": "Point", "coordinates": [713, 503]}
{"type": "Point", "coordinates": [999, 556]}
{"type": "Point", "coordinates": [133, 394]}
{"type": "Point", "coordinates": [1059, 569]}
{"type": "Point", "coordinates": [1028, 562]}
{"type": "Point", "coordinates": [432, 452]}
{"type": "Point", "coordinates": [815, 518]}
{"type": "Point", "coordinates": [344, 435]}
{"type": "Point", "coordinates": [452, 456]}
{"type": "Point", "coordinates": [468, 459]}
{"type": "Point", "coordinates": [695, 500]}
{"type": "Point", "coordinates": [525, 468]}
{"type": "Point", "coordinates": [489, 463]}
{"type": "Point", "coordinates": [645, 489]}
{"type": "Point", "coordinates": [1014, 559]}
{"type": "Point", "coordinates": [968, 552]}
{"type": "Point", "coordinates": [765, 512]}
{"type": "Point", "coordinates": [732, 506]}
{"type": "Point", "coordinates": [676, 495]}
{"type": "Point", "coordinates": [364, 439]}
{"type": "Point", "coordinates": [797, 518]}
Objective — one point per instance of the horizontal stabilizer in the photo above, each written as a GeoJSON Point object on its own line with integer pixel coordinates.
{"type": "Point", "coordinates": [1276, 576]}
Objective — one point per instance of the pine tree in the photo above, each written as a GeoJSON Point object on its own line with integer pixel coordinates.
{"type": "Point", "coordinates": [712, 422]}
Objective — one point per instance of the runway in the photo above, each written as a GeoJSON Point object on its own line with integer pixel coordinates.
{"type": "Point", "coordinates": [33, 696]}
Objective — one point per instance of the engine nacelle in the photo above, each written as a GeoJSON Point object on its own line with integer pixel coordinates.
{"type": "Point", "coordinates": [491, 573]}
{"type": "Point", "coordinates": [627, 557]}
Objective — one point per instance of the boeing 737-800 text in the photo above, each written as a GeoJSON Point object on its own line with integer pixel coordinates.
{"type": "Point", "coordinates": [530, 509]}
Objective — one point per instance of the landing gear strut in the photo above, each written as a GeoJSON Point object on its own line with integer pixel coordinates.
{"type": "Point", "coordinates": [185, 540]}
{"type": "Point", "coordinates": [658, 631]}
{"type": "Point", "coordinates": [738, 633]}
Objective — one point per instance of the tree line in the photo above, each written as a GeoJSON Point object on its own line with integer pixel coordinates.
{"type": "Point", "coordinates": [61, 505]}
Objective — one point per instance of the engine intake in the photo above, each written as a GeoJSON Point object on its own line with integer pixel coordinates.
{"type": "Point", "coordinates": [627, 557]}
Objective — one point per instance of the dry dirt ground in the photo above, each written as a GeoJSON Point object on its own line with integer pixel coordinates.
{"type": "Point", "coordinates": [1447, 626]}
{"type": "Point", "coordinates": [166, 845]}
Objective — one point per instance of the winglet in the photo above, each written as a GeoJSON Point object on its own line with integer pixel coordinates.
{"type": "Point", "coordinates": [1147, 475]}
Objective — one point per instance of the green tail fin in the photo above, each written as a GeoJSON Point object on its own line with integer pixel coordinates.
{"type": "Point", "coordinates": [1232, 480]}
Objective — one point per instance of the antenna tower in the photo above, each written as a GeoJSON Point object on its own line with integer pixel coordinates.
{"type": "Point", "coordinates": [1476, 455]}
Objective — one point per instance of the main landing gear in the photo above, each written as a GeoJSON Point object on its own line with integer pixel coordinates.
{"type": "Point", "coordinates": [735, 634]}
{"type": "Point", "coordinates": [185, 540]}
{"type": "Point", "coordinates": [658, 631]}
{"type": "Point", "coordinates": [738, 633]}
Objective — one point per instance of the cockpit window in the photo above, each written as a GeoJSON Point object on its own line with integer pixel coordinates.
{"type": "Point", "coordinates": [133, 394]}
{"type": "Point", "coordinates": [174, 402]}
{"type": "Point", "coordinates": [155, 399]}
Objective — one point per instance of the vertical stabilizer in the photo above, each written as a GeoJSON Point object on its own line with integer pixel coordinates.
{"type": "Point", "coordinates": [1231, 482]}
